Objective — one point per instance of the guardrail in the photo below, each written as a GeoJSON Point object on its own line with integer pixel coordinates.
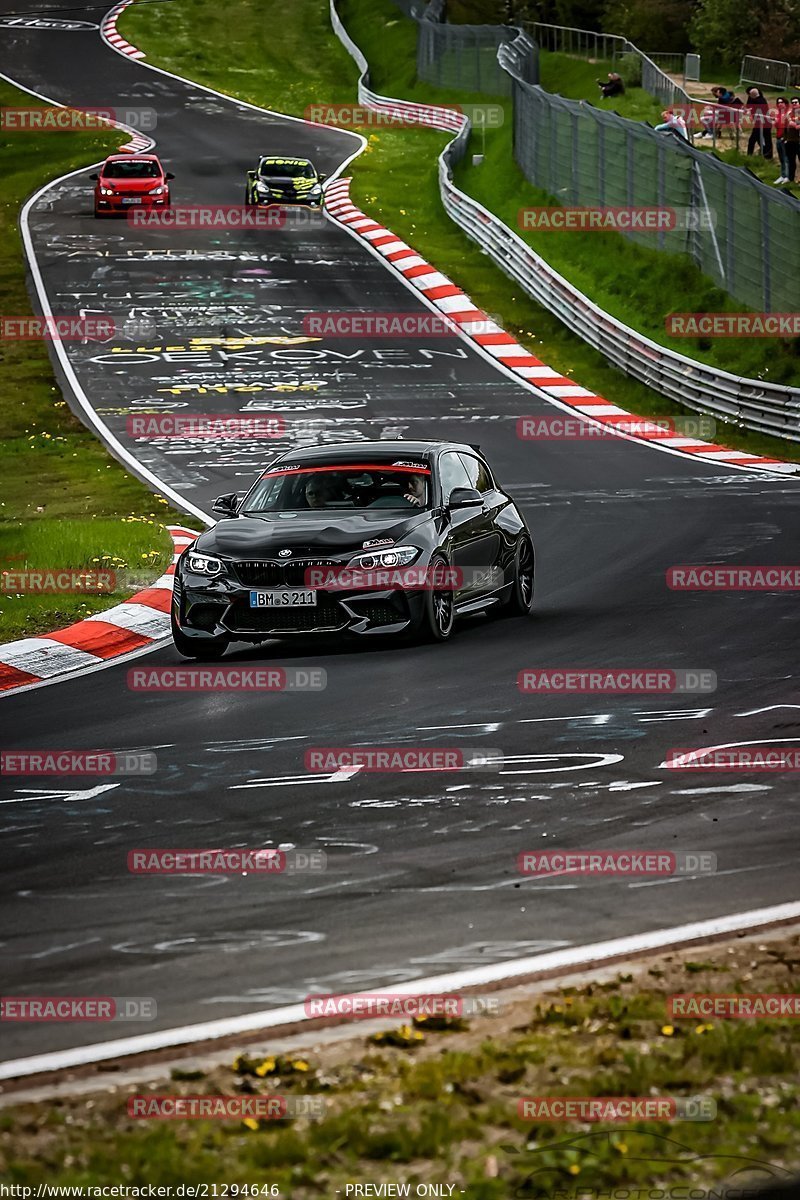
{"type": "Point", "coordinates": [748, 403]}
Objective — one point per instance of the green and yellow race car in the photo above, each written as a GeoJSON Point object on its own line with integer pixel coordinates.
{"type": "Point", "coordinates": [278, 180]}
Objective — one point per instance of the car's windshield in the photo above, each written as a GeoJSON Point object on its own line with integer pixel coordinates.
{"type": "Point", "coordinates": [340, 486]}
{"type": "Point", "coordinates": [131, 169]}
{"type": "Point", "coordinates": [276, 168]}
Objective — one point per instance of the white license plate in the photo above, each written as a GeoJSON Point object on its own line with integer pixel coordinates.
{"type": "Point", "coordinates": [284, 598]}
{"type": "Point", "coordinates": [131, 200]}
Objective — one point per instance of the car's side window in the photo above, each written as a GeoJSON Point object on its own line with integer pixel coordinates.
{"type": "Point", "coordinates": [452, 474]}
{"type": "Point", "coordinates": [479, 477]}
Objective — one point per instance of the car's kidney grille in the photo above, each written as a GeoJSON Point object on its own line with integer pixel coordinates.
{"type": "Point", "coordinates": [274, 574]}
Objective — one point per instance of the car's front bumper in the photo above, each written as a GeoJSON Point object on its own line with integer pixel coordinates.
{"type": "Point", "coordinates": [221, 608]}
{"type": "Point", "coordinates": [286, 201]}
{"type": "Point", "coordinates": [114, 204]}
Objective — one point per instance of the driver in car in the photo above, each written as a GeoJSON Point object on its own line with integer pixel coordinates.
{"type": "Point", "coordinates": [415, 490]}
{"type": "Point", "coordinates": [322, 490]}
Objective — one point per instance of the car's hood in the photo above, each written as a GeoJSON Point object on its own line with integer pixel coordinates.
{"type": "Point", "coordinates": [304, 533]}
{"type": "Point", "coordinates": [133, 186]}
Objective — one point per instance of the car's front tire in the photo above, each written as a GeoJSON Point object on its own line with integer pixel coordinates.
{"type": "Point", "coordinates": [520, 601]}
{"type": "Point", "coordinates": [438, 614]}
{"type": "Point", "coordinates": [203, 649]}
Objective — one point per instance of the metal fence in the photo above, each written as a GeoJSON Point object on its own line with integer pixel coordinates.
{"type": "Point", "coordinates": [464, 57]}
{"type": "Point", "coordinates": [587, 43]}
{"type": "Point", "coordinates": [769, 72]}
{"type": "Point", "coordinates": [667, 60]}
{"type": "Point", "coordinates": [748, 403]}
{"type": "Point", "coordinates": [742, 234]}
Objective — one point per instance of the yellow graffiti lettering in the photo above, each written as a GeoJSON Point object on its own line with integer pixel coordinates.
{"type": "Point", "coordinates": [203, 343]}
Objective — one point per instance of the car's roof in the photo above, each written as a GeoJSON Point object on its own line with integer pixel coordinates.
{"type": "Point", "coordinates": [364, 450]}
{"type": "Point", "coordinates": [290, 158]}
{"type": "Point", "coordinates": [134, 157]}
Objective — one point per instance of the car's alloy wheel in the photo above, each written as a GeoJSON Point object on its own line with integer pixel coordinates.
{"type": "Point", "coordinates": [205, 649]}
{"type": "Point", "coordinates": [439, 603]}
{"type": "Point", "coordinates": [520, 602]}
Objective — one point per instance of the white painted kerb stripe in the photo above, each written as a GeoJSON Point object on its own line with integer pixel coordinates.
{"type": "Point", "coordinates": [558, 960]}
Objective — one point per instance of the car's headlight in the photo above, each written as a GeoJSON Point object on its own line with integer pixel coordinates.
{"type": "Point", "coordinates": [203, 564]}
{"type": "Point", "coordinates": [393, 556]}
{"type": "Point", "coordinates": [262, 187]}
{"type": "Point", "coordinates": [158, 191]}
{"type": "Point", "coordinates": [316, 190]}
{"type": "Point", "coordinates": [104, 191]}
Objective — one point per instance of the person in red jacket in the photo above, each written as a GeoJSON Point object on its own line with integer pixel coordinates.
{"type": "Point", "coordinates": [758, 113]}
{"type": "Point", "coordinates": [791, 137]}
{"type": "Point", "coordinates": [778, 115]}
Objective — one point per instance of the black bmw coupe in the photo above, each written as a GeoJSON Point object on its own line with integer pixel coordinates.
{"type": "Point", "coordinates": [363, 539]}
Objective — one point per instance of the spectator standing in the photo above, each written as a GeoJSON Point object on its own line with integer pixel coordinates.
{"type": "Point", "coordinates": [791, 137]}
{"type": "Point", "coordinates": [761, 133]}
{"type": "Point", "coordinates": [779, 115]}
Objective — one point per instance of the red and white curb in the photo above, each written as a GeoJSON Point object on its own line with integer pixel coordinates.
{"type": "Point", "coordinates": [139, 142]}
{"type": "Point", "coordinates": [137, 623]}
{"type": "Point", "coordinates": [494, 341]}
{"type": "Point", "coordinates": [108, 31]}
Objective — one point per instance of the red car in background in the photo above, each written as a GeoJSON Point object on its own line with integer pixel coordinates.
{"type": "Point", "coordinates": [128, 181]}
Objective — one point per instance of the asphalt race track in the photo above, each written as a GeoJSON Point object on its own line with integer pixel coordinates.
{"type": "Point", "coordinates": [421, 868]}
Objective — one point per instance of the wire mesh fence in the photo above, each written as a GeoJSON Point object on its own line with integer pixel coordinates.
{"type": "Point", "coordinates": [464, 57]}
{"type": "Point", "coordinates": [753, 404]}
{"type": "Point", "coordinates": [740, 233]}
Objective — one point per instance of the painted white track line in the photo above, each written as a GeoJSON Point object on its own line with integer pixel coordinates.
{"type": "Point", "coordinates": [21, 680]}
{"type": "Point", "coordinates": [91, 419]}
{"type": "Point", "coordinates": [553, 963]}
{"type": "Point", "coordinates": [202, 87]}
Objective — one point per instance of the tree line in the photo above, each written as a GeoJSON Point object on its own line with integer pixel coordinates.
{"type": "Point", "coordinates": [721, 31]}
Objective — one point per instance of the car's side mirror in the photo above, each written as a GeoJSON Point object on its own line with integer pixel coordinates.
{"type": "Point", "coordinates": [462, 497]}
{"type": "Point", "coordinates": [95, 176]}
{"type": "Point", "coordinates": [169, 175]}
{"type": "Point", "coordinates": [225, 505]}
{"type": "Point", "coordinates": [322, 177]}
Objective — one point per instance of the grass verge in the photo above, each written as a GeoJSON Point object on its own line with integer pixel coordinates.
{"type": "Point", "coordinates": [437, 1102]}
{"type": "Point", "coordinates": [396, 181]}
{"type": "Point", "coordinates": [64, 502]}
